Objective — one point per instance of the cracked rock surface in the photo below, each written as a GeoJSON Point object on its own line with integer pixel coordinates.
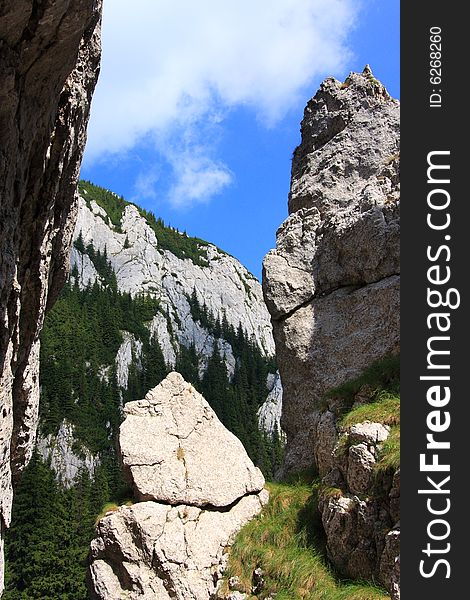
{"type": "Point", "coordinates": [49, 63]}
{"type": "Point", "coordinates": [175, 450]}
{"type": "Point", "coordinates": [198, 487]}
{"type": "Point", "coordinates": [332, 283]}
{"type": "Point", "coordinates": [332, 288]}
{"type": "Point", "coordinates": [359, 508]}
{"type": "Point", "coordinates": [359, 504]}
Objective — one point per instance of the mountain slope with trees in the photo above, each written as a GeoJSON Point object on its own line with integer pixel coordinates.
{"type": "Point", "coordinates": [105, 343]}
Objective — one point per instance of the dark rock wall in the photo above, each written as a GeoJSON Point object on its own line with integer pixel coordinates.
{"type": "Point", "coordinates": [49, 64]}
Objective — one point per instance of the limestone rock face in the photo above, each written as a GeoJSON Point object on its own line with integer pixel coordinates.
{"type": "Point", "coordinates": [199, 488]}
{"type": "Point", "coordinates": [175, 450]}
{"type": "Point", "coordinates": [269, 413]}
{"type": "Point", "coordinates": [332, 288]}
{"type": "Point", "coordinates": [59, 450]}
{"type": "Point", "coordinates": [143, 266]}
{"type": "Point", "coordinates": [325, 441]}
{"type": "Point", "coordinates": [332, 283]}
{"type": "Point", "coordinates": [49, 62]}
{"type": "Point", "coordinates": [363, 506]}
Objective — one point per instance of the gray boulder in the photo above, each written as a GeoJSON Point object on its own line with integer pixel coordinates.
{"type": "Point", "coordinates": [368, 433]}
{"type": "Point", "coordinates": [198, 487]}
{"type": "Point", "coordinates": [360, 518]}
{"type": "Point", "coordinates": [175, 450]}
{"type": "Point", "coordinates": [153, 551]}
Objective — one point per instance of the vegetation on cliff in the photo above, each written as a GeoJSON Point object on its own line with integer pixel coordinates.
{"type": "Point", "coordinates": [382, 382]}
{"type": "Point", "coordinates": [169, 238]}
{"type": "Point", "coordinates": [49, 538]}
{"type": "Point", "coordinates": [286, 543]}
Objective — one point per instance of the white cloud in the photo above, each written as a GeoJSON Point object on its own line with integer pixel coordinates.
{"type": "Point", "coordinates": [198, 178]}
{"type": "Point", "coordinates": [169, 65]}
{"type": "Point", "coordinates": [145, 184]}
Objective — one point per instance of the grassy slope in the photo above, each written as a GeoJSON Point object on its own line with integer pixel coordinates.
{"type": "Point", "coordinates": [383, 378]}
{"type": "Point", "coordinates": [286, 539]}
{"type": "Point", "coordinates": [285, 542]}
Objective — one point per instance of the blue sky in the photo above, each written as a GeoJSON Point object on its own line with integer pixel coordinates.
{"type": "Point", "coordinates": [198, 107]}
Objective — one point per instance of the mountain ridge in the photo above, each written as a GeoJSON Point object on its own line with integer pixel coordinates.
{"type": "Point", "coordinates": [142, 307]}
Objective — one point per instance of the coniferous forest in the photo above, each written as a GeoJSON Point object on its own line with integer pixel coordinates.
{"type": "Point", "coordinates": [47, 544]}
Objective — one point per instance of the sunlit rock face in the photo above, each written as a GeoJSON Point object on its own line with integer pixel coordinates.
{"type": "Point", "coordinates": [332, 287]}
{"type": "Point", "coordinates": [332, 283]}
{"type": "Point", "coordinates": [198, 487]}
{"type": "Point", "coordinates": [269, 413]}
{"type": "Point", "coordinates": [175, 450]}
{"type": "Point", "coordinates": [143, 266]}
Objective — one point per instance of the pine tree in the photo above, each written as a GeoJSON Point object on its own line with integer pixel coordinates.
{"type": "Point", "coordinates": [153, 363]}
{"type": "Point", "coordinates": [195, 306]}
{"type": "Point", "coordinates": [79, 243]}
{"type": "Point", "coordinates": [215, 383]}
{"type": "Point", "coordinates": [40, 542]}
{"type": "Point", "coordinates": [187, 363]}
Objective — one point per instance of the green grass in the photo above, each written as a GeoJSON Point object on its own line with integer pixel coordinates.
{"type": "Point", "coordinates": [112, 507]}
{"type": "Point", "coordinates": [384, 409]}
{"type": "Point", "coordinates": [287, 543]}
{"type": "Point", "coordinates": [389, 457]}
{"type": "Point", "coordinates": [381, 375]}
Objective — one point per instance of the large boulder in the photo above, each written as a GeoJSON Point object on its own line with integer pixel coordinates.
{"type": "Point", "coordinates": [175, 450]}
{"type": "Point", "coordinates": [198, 487]}
{"type": "Point", "coordinates": [156, 551]}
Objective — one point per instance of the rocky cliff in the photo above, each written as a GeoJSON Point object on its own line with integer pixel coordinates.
{"type": "Point", "coordinates": [202, 302]}
{"type": "Point", "coordinates": [197, 489]}
{"type": "Point", "coordinates": [269, 413]}
{"type": "Point", "coordinates": [332, 288]}
{"type": "Point", "coordinates": [143, 265]}
{"type": "Point", "coordinates": [49, 58]}
{"type": "Point", "coordinates": [183, 303]}
{"type": "Point", "coordinates": [143, 299]}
